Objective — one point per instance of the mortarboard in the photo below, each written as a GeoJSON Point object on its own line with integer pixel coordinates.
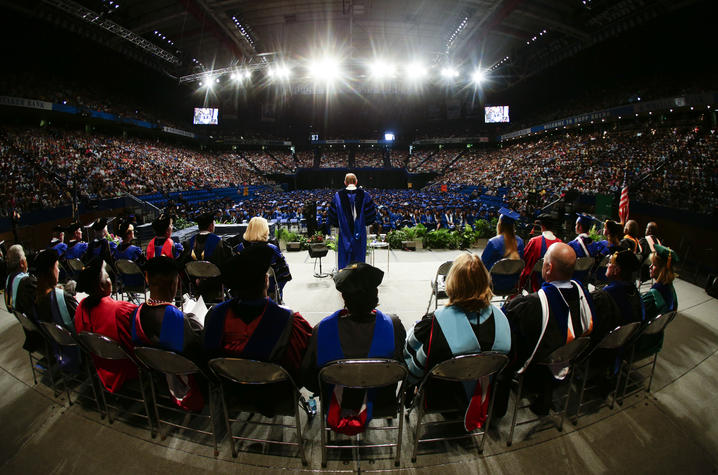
{"type": "Point", "coordinates": [358, 277]}
{"type": "Point", "coordinates": [509, 215]}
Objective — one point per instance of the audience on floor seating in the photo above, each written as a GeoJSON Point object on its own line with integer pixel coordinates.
{"type": "Point", "coordinates": [253, 326]}
{"type": "Point", "coordinates": [99, 313]}
{"type": "Point", "coordinates": [127, 250]}
{"type": "Point", "coordinates": [543, 321]}
{"type": "Point", "coordinates": [631, 238]}
{"type": "Point", "coordinates": [20, 292]}
{"type": "Point", "coordinates": [162, 244]}
{"type": "Point", "coordinates": [619, 302]}
{"type": "Point", "coordinates": [76, 247]}
{"type": "Point", "coordinates": [535, 249]}
{"type": "Point", "coordinates": [468, 323]}
{"type": "Point", "coordinates": [505, 245]}
{"type": "Point", "coordinates": [583, 244]}
{"type": "Point", "coordinates": [58, 241]}
{"type": "Point", "coordinates": [101, 246]}
{"type": "Point", "coordinates": [158, 323]}
{"type": "Point", "coordinates": [257, 235]}
{"type": "Point", "coordinates": [359, 330]}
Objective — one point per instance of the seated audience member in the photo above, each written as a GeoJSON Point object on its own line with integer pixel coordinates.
{"type": "Point", "coordinates": [162, 244]}
{"type": "Point", "coordinates": [20, 292]}
{"type": "Point", "coordinates": [57, 242]}
{"type": "Point", "coordinates": [535, 250]}
{"type": "Point", "coordinates": [662, 297]}
{"type": "Point", "coordinates": [252, 326]}
{"type": "Point", "coordinates": [206, 246]}
{"type": "Point", "coordinates": [619, 302]}
{"type": "Point", "coordinates": [160, 324]}
{"type": "Point", "coordinates": [54, 305]}
{"type": "Point", "coordinates": [631, 238]}
{"type": "Point", "coordinates": [99, 313]}
{"type": "Point", "coordinates": [127, 250]}
{"type": "Point", "coordinates": [505, 245]}
{"type": "Point", "coordinates": [360, 330]}
{"type": "Point", "coordinates": [612, 232]}
{"type": "Point", "coordinates": [469, 323]}
{"type": "Point", "coordinates": [541, 322]}
{"type": "Point", "coordinates": [76, 247]}
{"type": "Point", "coordinates": [583, 245]}
{"type": "Point", "coordinates": [648, 245]}
{"type": "Point", "coordinates": [257, 234]}
{"type": "Point", "coordinates": [101, 246]}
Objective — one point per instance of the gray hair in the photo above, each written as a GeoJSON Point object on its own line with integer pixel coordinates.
{"type": "Point", "coordinates": [15, 255]}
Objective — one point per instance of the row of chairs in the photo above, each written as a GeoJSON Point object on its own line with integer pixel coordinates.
{"type": "Point", "coordinates": [154, 364]}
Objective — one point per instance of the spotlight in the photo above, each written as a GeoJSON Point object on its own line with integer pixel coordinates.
{"type": "Point", "coordinates": [380, 69]}
{"type": "Point", "coordinates": [449, 72]}
{"type": "Point", "coordinates": [389, 136]}
{"type": "Point", "coordinates": [416, 71]}
{"type": "Point", "coordinates": [325, 69]}
{"type": "Point", "coordinates": [247, 74]}
{"type": "Point", "coordinates": [216, 80]}
{"type": "Point", "coordinates": [478, 77]}
{"type": "Point", "coordinates": [235, 77]}
{"type": "Point", "coordinates": [279, 71]}
{"type": "Point", "coordinates": [201, 84]}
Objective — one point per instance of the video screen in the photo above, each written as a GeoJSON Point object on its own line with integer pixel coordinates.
{"type": "Point", "coordinates": [205, 116]}
{"type": "Point", "coordinates": [493, 114]}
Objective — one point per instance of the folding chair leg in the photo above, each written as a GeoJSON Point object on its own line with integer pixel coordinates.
{"type": "Point", "coordinates": [397, 458]}
{"type": "Point", "coordinates": [226, 420]}
{"type": "Point", "coordinates": [153, 433]}
{"type": "Point", "coordinates": [653, 370]}
{"type": "Point", "coordinates": [32, 368]}
{"type": "Point", "coordinates": [517, 401]}
{"type": "Point", "coordinates": [212, 392]}
{"type": "Point", "coordinates": [417, 432]}
{"type": "Point", "coordinates": [91, 378]}
{"type": "Point", "coordinates": [487, 424]}
{"type": "Point", "coordinates": [614, 395]}
{"type": "Point", "coordinates": [629, 369]}
{"type": "Point", "coordinates": [323, 430]}
{"type": "Point", "coordinates": [580, 396]}
{"type": "Point", "coordinates": [298, 423]}
{"type": "Point", "coordinates": [568, 399]}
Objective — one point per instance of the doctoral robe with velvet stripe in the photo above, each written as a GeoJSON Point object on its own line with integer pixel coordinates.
{"type": "Point", "coordinates": [351, 211]}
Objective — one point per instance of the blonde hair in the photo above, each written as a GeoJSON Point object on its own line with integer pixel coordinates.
{"type": "Point", "coordinates": [468, 284]}
{"type": "Point", "coordinates": [257, 230]}
{"type": "Point", "coordinates": [506, 227]}
{"type": "Point", "coordinates": [664, 274]}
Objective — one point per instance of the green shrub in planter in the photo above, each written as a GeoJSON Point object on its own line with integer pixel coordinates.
{"type": "Point", "coordinates": [467, 237]}
{"type": "Point", "coordinates": [395, 236]}
{"type": "Point", "coordinates": [442, 239]}
{"type": "Point", "coordinates": [482, 228]}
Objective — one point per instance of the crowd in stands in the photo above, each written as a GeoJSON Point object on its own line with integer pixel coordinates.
{"type": "Point", "coordinates": [304, 158]}
{"type": "Point", "coordinates": [333, 158]}
{"type": "Point", "coordinates": [371, 158]}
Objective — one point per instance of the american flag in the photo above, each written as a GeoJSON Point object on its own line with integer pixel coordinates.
{"type": "Point", "coordinates": [623, 203]}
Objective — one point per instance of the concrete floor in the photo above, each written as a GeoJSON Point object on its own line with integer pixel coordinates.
{"type": "Point", "coordinates": [673, 429]}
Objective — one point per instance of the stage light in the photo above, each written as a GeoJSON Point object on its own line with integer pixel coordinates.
{"type": "Point", "coordinates": [449, 73]}
{"type": "Point", "coordinates": [416, 71]}
{"type": "Point", "coordinates": [247, 74]}
{"type": "Point", "coordinates": [201, 84]}
{"type": "Point", "coordinates": [478, 77]}
{"type": "Point", "coordinates": [279, 71]}
{"type": "Point", "coordinates": [216, 80]}
{"type": "Point", "coordinates": [235, 77]}
{"type": "Point", "coordinates": [381, 69]}
{"type": "Point", "coordinates": [389, 136]}
{"type": "Point", "coordinates": [325, 69]}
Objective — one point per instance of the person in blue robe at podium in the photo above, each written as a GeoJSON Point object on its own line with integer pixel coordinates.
{"type": "Point", "coordinates": [352, 210]}
{"type": "Point", "coordinates": [505, 245]}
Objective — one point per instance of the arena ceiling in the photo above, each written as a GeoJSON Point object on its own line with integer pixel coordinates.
{"type": "Point", "coordinates": [512, 38]}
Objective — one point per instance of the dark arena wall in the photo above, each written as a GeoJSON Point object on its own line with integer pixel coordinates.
{"type": "Point", "coordinates": [311, 178]}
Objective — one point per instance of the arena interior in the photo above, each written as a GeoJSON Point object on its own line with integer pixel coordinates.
{"type": "Point", "coordinates": [132, 117]}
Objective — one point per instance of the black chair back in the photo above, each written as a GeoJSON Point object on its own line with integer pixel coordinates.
{"type": "Point", "coordinates": [128, 267]}
{"type": "Point", "coordinates": [102, 346]}
{"type": "Point", "coordinates": [164, 361]}
{"type": "Point", "coordinates": [659, 323]}
{"type": "Point", "coordinates": [26, 323]}
{"type": "Point", "coordinates": [202, 270]}
{"type": "Point", "coordinates": [568, 353]}
{"type": "Point", "coordinates": [619, 336]}
{"type": "Point", "coordinates": [507, 267]}
{"type": "Point", "coordinates": [243, 371]}
{"type": "Point", "coordinates": [59, 334]}
{"type": "Point", "coordinates": [584, 264]}
{"type": "Point", "coordinates": [363, 373]}
{"type": "Point", "coordinates": [469, 367]}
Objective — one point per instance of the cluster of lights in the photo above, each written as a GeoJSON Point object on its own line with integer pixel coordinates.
{"type": "Point", "coordinates": [110, 5]}
{"type": "Point", "coordinates": [586, 3]}
{"type": "Point", "coordinates": [500, 63]}
{"type": "Point", "coordinates": [456, 32]}
{"type": "Point", "coordinates": [244, 30]}
{"type": "Point", "coordinates": [163, 38]}
{"type": "Point", "coordinates": [198, 63]}
{"type": "Point", "coordinates": [239, 75]}
{"type": "Point", "coordinates": [536, 37]}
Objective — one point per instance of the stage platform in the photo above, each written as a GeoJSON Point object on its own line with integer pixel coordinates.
{"type": "Point", "coordinates": [673, 430]}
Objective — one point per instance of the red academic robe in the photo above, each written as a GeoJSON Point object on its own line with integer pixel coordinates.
{"type": "Point", "coordinates": [110, 318]}
{"type": "Point", "coordinates": [534, 250]}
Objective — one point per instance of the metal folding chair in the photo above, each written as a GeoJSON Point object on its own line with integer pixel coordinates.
{"type": "Point", "coordinates": [131, 280]}
{"type": "Point", "coordinates": [43, 363]}
{"type": "Point", "coordinates": [460, 369]}
{"type": "Point", "coordinates": [617, 338]}
{"type": "Point", "coordinates": [583, 268]}
{"type": "Point", "coordinates": [438, 285]}
{"type": "Point", "coordinates": [654, 327]}
{"type": "Point", "coordinates": [203, 271]}
{"type": "Point", "coordinates": [257, 373]}
{"type": "Point", "coordinates": [599, 273]}
{"type": "Point", "coordinates": [276, 293]}
{"type": "Point", "coordinates": [63, 338]}
{"type": "Point", "coordinates": [510, 268]}
{"type": "Point", "coordinates": [369, 373]}
{"type": "Point", "coordinates": [74, 267]}
{"type": "Point", "coordinates": [563, 357]}
{"type": "Point", "coordinates": [167, 363]}
{"type": "Point", "coordinates": [107, 348]}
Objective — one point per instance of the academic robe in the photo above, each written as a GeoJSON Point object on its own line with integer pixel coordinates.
{"type": "Point", "coordinates": [535, 250]}
{"type": "Point", "coordinates": [659, 300]}
{"type": "Point", "coordinates": [495, 251]}
{"type": "Point", "coordinates": [351, 211]}
{"type": "Point", "coordinates": [58, 246]}
{"type": "Point", "coordinates": [583, 246]}
{"type": "Point", "coordinates": [75, 250]}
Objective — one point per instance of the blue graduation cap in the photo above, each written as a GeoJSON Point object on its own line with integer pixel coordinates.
{"type": "Point", "coordinates": [509, 214]}
{"type": "Point", "coordinates": [585, 220]}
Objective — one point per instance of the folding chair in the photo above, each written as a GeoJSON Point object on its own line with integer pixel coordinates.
{"type": "Point", "coordinates": [582, 269]}
{"type": "Point", "coordinates": [131, 280]}
{"type": "Point", "coordinates": [536, 270]}
{"type": "Point", "coordinates": [369, 373]}
{"type": "Point", "coordinates": [44, 363]}
{"type": "Point", "coordinates": [599, 274]}
{"type": "Point", "coordinates": [460, 369]}
{"type": "Point", "coordinates": [276, 293]}
{"type": "Point", "coordinates": [209, 276]}
{"type": "Point", "coordinates": [563, 357]}
{"type": "Point", "coordinates": [438, 285]}
{"type": "Point", "coordinates": [167, 363]}
{"type": "Point", "coordinates": [74, 267]}
{"type": "Point", "coordinates": [256, 374]}
{"type": "Point", "coordinates": [107, 348]}
{"type": "Point", "coordinates": [654, 327]}
{"type": "Point", "coordinates": [63, 338]}
{"type": "Point", "coordinates": [617, 338]}
{"type": "Point", "coordinates": [505, 269]}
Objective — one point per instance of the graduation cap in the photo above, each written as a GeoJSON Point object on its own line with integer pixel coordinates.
{"type": "Point", "coordinates": [161, 224]}
{"type": "Point", "coordinates": [162, 265]}
{"type": "Point", "coordinates": [205, 220]}
{"type": "Point", "coordinates": [99, 224]}
{"type": "Point", "coordinates": [248, 268]}
{"type": "Point", "coordinates": [89, 278]}
{"type": "Point", "coordinates": [627, 261]}
{"type": "Point", "coordinates": [585, 220]}
{"type": "Point", "coordinates": [58, 229]}
{"type": "Point", "coordinates": [73, 227]}
{"type": "Point", "coordinates": [45, 261]}
{"type": "Point", "coordinates": [614, 229]}
{"type": "Point", "coordinates": [358, 277]}
{"type": "Point", "coordinates": [124, 227]}
{"type": "Point", "coordinates": [667, 254]}
{"type": "Point", "coordinates": [545, 220]}
{"type": "Point", "coordinates": [508, 215]}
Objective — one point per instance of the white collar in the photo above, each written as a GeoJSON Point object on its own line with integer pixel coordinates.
{"type": "Point", "coordinates": [351, 187]}
{"type": "Point", "coordinates": [202, 233]}
{"type": "Point", "coordinates": [548, 235]}
{"type": "Point", "coordinates": [562, 284]}
{"type": "Point", "coordinates": [583, 235]}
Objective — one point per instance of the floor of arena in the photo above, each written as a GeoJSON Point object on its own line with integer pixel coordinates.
{"type": "Point", "coordinates": [674, 428]}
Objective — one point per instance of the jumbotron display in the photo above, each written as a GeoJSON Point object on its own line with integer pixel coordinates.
{"type": "Point", "coordinates": [205, 116]}
{"type": "Point", "coordinates": [494, 114]}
